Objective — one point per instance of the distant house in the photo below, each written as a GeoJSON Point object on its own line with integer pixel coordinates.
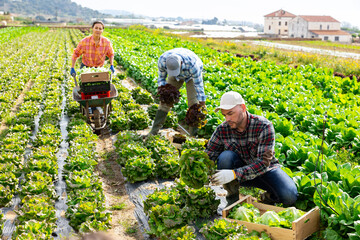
{"type": "Point", "coordinates": [276, 23]}
{"type": "Point", "coordinates": [324, 27]}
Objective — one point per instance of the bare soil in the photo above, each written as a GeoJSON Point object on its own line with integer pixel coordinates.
{"type": "Point", "coordinates": [124, 223]}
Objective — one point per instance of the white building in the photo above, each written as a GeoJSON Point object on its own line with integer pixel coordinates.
{"type": "Point", "coordinates": [276, 23]}
{"type": "Point", "coordinates": [324, 27]}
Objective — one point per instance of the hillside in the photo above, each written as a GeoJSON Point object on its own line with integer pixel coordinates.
{"type": "Point", "coordinates": [49, 8]}
{"type": "Point", "coordinates": [116, 12]}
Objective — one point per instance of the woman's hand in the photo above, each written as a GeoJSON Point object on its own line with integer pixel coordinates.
{"type": "Point", "coordinates": [112, 68]}
{"type": "Point", "coordinates": [72, 72]}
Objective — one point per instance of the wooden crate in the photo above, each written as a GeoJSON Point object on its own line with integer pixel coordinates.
{"type": "Point", "coordinates": [301, 228]}
{"type": "Point", "coordinates": [95, 77]}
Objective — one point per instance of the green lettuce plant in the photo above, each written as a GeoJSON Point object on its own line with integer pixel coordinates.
{"type": "Point", "coordinates": [244, 212]}
{"type": "Point", "coordinates": [141, 96]}
{"type": "Point", "coordinates": [184, 233]}
{"type": "Point", "coordinates": [220, 229]}
{"type": "Point", "coordinates": [289, 215]}
{"type": "Point", "coordinates": [195, 168]}
{"type": "Point", "coordinates": [139, 168]}
{"type": "Point", "coordinates": [270, 218]}
{"type": "Point", "coordinates": [168, 166]}
{"type": "Point", "coordinates": [166, 217]}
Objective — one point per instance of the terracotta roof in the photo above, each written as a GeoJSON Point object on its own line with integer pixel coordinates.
{"type": "Point", "coordinates": [318, 18]}
{"type": "Point", "coordinates": [330, 32]}
{"type": "Point", "coordinates": [280, 13]}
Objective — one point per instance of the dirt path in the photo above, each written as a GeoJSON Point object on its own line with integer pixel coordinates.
{"type": "Point", "coordinates": [124, 223]}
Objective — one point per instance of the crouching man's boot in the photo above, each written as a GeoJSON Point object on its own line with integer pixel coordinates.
{"type": "Point", "coordinates": [266, 198]}
{"type": "Point", "coordinates": [159, 121]}
{"type": "Point", "coordinates": [233, 191]}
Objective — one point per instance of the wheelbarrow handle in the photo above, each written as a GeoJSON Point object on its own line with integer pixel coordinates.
{"type": "Point", "coordinates": [75, 81]}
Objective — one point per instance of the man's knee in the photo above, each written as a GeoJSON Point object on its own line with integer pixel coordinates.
{"type": "Point", "coordinates": [289, 195]}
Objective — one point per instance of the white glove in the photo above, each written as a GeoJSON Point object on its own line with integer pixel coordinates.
{"type": "Point", "coordinates": [222, 177]}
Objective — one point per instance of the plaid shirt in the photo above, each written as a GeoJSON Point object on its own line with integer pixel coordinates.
{"type": "Point", "coordinates": [191, 68]}
{"type": "Point", "coordinates": [93, 55]}
{"type": "Point", "coordinates": [249, 145]}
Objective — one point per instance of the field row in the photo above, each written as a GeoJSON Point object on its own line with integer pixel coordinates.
{"type": "Point", "coordinates": [31, 178]}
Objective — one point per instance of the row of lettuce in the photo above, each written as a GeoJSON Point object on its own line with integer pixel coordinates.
{"type": "Point", "coordinates": [35, 171]}
{"type": "Point", "coordinates": [28, 160]}
{"type": "Point", "coordinates": [295, 100]}
{"type": "Point", "coordinates": [18, 63]}
{"type": "Point", "coordinates": [10, 33]}
{"type": "Point", "coordinates": [86, 198]}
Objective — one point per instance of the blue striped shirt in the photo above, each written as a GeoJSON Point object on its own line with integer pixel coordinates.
{"type": "Point", "coordinates": [191, 68]}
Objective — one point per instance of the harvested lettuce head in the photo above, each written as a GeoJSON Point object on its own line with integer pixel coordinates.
{"type": "Point", "coordinates": [246, 212]}
{"type": "Point", "coordinates": [243, 214]}
{"type": "Point", "coordinates": [270, 218]}
{"type": "Point", "coordinates": [289, 215]}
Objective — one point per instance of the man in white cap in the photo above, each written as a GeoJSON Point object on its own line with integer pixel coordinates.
{"type": "Point", "coordinates": [243, 147]}
{"type": "Point", "coordinates": [177, 66]}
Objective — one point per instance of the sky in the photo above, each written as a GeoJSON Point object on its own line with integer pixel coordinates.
{"type": "Point", "coordinates": [249, 10]}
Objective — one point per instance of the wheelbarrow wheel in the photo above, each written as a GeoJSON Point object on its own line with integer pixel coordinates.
{"type": "Point", "coordinates": [97, 119]}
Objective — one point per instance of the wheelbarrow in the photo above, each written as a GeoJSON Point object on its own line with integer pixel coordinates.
{"type": "Point", "coordinates": [96, 109]}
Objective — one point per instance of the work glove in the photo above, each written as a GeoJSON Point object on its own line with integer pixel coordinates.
{"type": "Point", "coordinates": [112, 68]}
{"type": "Point", "coordinates": [72, 72]}
{"type": "Point", "coordinates": [222, 177]}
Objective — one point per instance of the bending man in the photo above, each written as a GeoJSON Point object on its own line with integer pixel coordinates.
{"type": "Point", "coordinates": [179, 65]}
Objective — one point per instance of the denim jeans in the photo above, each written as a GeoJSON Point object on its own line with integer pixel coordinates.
{"type": "Point", "coordinates": [281, 187]}
{"type": "Point", "coordinates": [82, 66]}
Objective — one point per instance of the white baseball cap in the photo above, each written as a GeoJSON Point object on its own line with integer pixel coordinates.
{"type": "Point", "coordinates": [229, 100]}
{"type": "Point", "coordinates": [173, 63]}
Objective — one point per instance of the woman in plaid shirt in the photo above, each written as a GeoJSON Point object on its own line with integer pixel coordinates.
{"type": "Point", "coordinates": [94, 49]}
{"type": "Point", "coordinates": [243, 147]}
